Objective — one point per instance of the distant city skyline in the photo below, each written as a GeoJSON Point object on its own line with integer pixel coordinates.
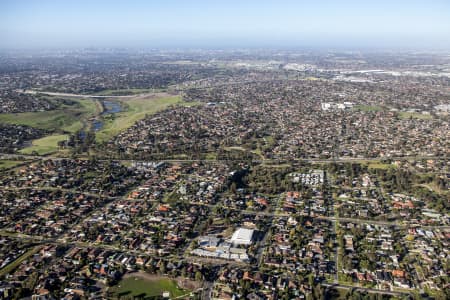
{"type": "Point", "coordinates": [379, 24]}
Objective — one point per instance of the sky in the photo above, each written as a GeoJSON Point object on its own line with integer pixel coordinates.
{"type": "Point", "coordinates": [405, 24]}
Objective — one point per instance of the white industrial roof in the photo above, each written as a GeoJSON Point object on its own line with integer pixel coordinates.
{"type": "Point", "coordinates": [242, 236]}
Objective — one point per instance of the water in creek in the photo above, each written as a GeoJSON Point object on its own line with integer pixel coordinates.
{"type": "Point", "coordinates": [110, 107]}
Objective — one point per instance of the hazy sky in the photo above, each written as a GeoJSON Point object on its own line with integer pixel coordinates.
{"type": "Point", "coordinates": [226, 23]}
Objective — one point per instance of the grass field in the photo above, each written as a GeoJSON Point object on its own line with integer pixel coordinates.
{"type": "Point", "coordinates": [379, 165]}
{"type": "Point", "coordinates": [135, 109]}
{"type": "Point", "coordinates": [211, 156]}
{"type": "Point", "coordinates": [133, 286]}
{"type": "Point", "coordinates": [45, 145]}
{"type": "Point", "coordinates": [414, 115]}
{"type": "Point", "coordinates": [375, 164]}
{"type": "Point", "coordinates": [6, 164]}
{"type": "Point", "coordinates": [49, 120]}
{"type": "Point", "coordinates": [368, 108]}
{"type": "Point", "coordinates": [65, 118]}
{"type": "Point", "coordinates": [239, 148]}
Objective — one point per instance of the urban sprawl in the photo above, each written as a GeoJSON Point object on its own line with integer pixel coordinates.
{"type": "Point", "coordinates": [224, 175]}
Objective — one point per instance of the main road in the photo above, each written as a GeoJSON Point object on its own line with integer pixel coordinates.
{"type": "Point", "coordinates": [275, 161]}
{"type": "Point", "coordinates": [33, 92]}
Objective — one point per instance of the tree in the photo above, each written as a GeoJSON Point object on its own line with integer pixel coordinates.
{"type": "Point", "coordinates": [162, 269]}
{"type": "Point", "coordinates": [198, 276]}
{"type": "Point", "coordinates": [233, 187]}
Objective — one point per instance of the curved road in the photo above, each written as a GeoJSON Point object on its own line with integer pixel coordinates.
{"type": "Point", "coordinates": [33, 92]}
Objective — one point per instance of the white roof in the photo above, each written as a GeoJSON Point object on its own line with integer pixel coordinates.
{"type": "Point", "coordinates": [242, 236]}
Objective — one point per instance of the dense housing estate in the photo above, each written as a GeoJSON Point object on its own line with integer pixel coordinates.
{"type": "Point", "coordinates": [224, 175]}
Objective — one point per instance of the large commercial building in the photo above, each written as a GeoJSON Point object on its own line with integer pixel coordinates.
{"type": "Point", "coordinates": [242, 236]}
